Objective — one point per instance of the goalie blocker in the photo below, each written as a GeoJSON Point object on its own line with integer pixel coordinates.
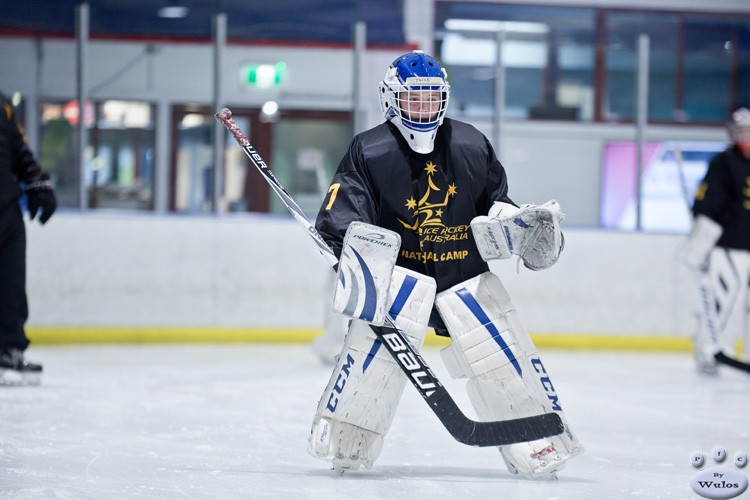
{"type": "Point", "coordinates": [368, 257]}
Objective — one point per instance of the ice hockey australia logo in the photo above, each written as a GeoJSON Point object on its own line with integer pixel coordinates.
{"type": "Point", "coordinates": [429, 210]}
{"type": "Point", "coordinates": [427, 216]}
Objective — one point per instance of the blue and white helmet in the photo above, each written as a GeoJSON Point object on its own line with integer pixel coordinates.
{"type": "Point", "coordinates": [414, 97]}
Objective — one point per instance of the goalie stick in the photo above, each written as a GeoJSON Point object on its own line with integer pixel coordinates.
{"type": "Point", "coordinates": [720, 357]}
{"type": "Point", "coordinates": [463, 429]}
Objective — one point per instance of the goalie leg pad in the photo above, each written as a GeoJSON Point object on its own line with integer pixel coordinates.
{"type": "Point", "coordinates": [507, 379]}
{"type": "Point", "coordinates": [722, 288]}
{"type": "Point", "coordinates": [737, 325]}
{"type": "Point", "coordinates": [360, 400]}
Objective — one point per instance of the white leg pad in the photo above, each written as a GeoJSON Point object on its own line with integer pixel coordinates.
{"type": "Point", "coordinates": [723, 301]}
{"type": "Point", "coordinates": [360, 400]}
{"type": "Point", "coordinates": [507, 380]}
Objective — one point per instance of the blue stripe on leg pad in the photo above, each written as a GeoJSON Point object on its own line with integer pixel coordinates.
{"type": "Point", "coordinates": [403, 294]}
{"type": "Point", "coordinates": [468, 299]}
{"type": "Point", "coordinates": [371, 296]}
{"type": "Point", "coordinates": [398, 304]}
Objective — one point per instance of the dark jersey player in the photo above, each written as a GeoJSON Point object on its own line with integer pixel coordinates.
{"type": "Point", "coordinates": [17, 165]}
{"type": "Point", "coordinates": [719, 249]}
{"type": "Point", "coordinates": [435, 186]}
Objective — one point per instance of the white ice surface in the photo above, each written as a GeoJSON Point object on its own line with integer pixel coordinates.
{"type": "Point", "coordinates": [231, 422]}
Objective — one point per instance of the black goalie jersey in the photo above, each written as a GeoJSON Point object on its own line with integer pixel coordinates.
{"type": "Point", "coordinates": [428, 199]}
{"type": "Point", "coordinates": [724, 196]}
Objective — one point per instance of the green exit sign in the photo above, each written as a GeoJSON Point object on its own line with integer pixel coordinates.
{"type": "Point", "coordinates": [263, 76]}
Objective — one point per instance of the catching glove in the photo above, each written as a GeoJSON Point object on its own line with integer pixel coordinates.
{"type": "Point", "coordinates": [532, 232]}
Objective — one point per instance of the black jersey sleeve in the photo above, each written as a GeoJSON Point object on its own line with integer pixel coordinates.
{"type": "Point", "coordinates": [714, 190]}
{"type": "Point", "coordinates": [497, 181]}
{"type": "Point", "coordinates": [350, 198]}
{"type": "Point", "coordinates": [22, 161]}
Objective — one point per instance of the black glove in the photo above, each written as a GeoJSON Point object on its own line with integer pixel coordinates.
{"type": "Point", "coordinates": [39, 194]}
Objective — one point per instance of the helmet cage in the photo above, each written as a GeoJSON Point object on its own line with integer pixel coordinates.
{"type": "Point", "coordinates": [414, 96]}
{"type": "Point", "coordinates": [420, 102]}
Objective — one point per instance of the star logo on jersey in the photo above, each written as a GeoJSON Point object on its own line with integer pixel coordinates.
{"type": "Point", "coordinates": [428, 210]}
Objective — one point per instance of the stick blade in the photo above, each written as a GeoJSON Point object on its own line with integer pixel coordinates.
{"type": "Point", "coordinates": [734, 363]}
{"type": "Point", "coordinates": [518, 430]}
{"type": "Point", "coordinates": [499, 433]}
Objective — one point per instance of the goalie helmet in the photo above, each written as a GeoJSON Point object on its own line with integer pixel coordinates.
{"type": "Point", "coordinates": [740, 130]}
{"type": "Point", "coordinates": [414, 97]}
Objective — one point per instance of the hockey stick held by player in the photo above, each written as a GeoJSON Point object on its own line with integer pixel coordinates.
{"type": "Point", "coordinates": [438, 185]}
{"type": "Point", "coordinates": [401, 350]}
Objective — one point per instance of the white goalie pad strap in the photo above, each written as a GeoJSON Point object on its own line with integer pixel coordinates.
{"type": "Point", "coordinates": [531, 232]}
{"type": "Point", "coordinates": [360, 400]}
{"type": "Point", "coordinates": [365, 270]}
{"type": "Point", "coordinates": [706, 232]}
{"type": "Point", "coordinates": [506, 376]}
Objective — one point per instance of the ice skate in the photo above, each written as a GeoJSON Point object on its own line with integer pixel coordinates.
{"type": "Point", "coordinates": [15, 370]}
{"type": "Point", "coordinates": [540, 459]}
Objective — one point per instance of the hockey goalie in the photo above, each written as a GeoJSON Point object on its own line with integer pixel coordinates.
{"type": "Point", "coordinates": [718, 252]}
{"type": "Point", "coordinates": [417, 207]}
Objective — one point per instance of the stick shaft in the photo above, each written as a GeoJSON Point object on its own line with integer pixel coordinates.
{"type": "Point", "coordinates": [225, 117]}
